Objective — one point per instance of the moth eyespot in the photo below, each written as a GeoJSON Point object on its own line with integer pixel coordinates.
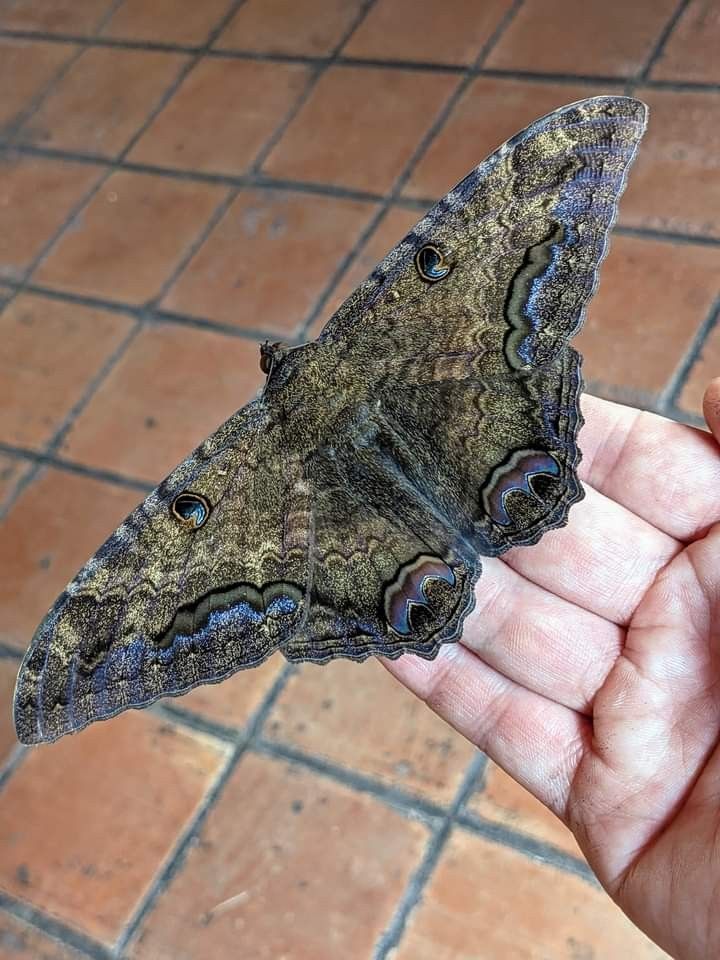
{"type": "Point", "coordinates": [191, 509]}
{"type": "Point", "coordinates": [431, 264]}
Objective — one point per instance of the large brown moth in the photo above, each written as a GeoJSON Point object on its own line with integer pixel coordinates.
{"type": "Point", "coordinates": [344, 512]}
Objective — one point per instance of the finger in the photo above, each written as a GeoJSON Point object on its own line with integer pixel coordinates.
{"type": "Point", "coordinates": [665, 472]}
{"type": "Point", "coordinates": [538, 640]}
{"type": "Point", "coordinates": [538, 742]}
{"type": "Point", "coordinates": [711, 407]}
{"type": "Point", "coordinates": [604, 560]}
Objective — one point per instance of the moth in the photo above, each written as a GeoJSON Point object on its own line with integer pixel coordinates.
{"type": "Point", "coordinates": [344, 512]}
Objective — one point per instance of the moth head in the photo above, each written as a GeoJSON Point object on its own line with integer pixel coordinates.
{"type": "Point", "coordinates": [190, 509]}
{"type": "Point", "coordinates": [271, 355]}
{"type": "Point", "coordinates": [431, 263]}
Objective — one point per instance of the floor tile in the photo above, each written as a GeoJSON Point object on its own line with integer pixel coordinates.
{"type": "Point", "coordinates": [358, 716]}
{"type": "Point", "coordinates": [490, 901]}
{"type": "Point", "coordinates": [490, 111]}
{"type": "Point", "coordinates": [172, 388]}
{"type": "Point", "coordinates": [269, 259]}
{"type": "Point", "coordinates": [87, 822]}
{"type": "Point", "coordinates": [235, 106]}
{"type": "Point", "coordinates": [638, 330]}
{"type": "Point", "coordinates": [20, 941]}
{"type": "Point", "coordinates": [36, 197]}
{"type": "Point", "coordinates": [690, 54]}
{"type": "Point", "coordinates": [71, 517]}
{"type": "Point", "coordinates": [165, 21]}
{"type": "Point", "coordinates": [705, 368]}
{"type": "Point", "coordinates": [360, 127]}
{"type": "Point", "coordinates": [499, 799]}
{"type": "Point", "coordinates": [102, 101]}
{"type": "Point", "coordinates": [49, 352]}
{"type": "Point", "coordinates": [8, 740]}
{"type": "Point", "coordinates": [675, 182]}
{"type": "Point", "coordinates": [130, 236]}
{"type": "Point", "coordinates": [53, 16]}
{"type": "Point", "coordinates": [11, 470]}
{"type": "Point", "coordinates": [233, 702]}
{"type": "Point", "coordinates": [450, 32]}
{"type": "Point", "coordinates": [26, 68]}
{"type": "Point", "coordinates": [312, 28]}
{"type": "Point", "coordinates": [391, 229]}
{"type": "Point", "coordinates": [553, 36]}
{"type": "Point", "coordinates": [287, 865]}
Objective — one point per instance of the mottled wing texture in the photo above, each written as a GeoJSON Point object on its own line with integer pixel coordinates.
{"type": "Point", "coordinates": [464, 439]}
{"type": "Point", "coordinates": [162, 607]}
{"type": "Point", "coordinates": [473, 374]}
{"type": "Point", "coordinates": [344, 512]}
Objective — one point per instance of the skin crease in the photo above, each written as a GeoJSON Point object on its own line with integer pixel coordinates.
{"type": "Point", "coordinates": [590, 669]}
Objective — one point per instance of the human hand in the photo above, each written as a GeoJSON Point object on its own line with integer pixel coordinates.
{"type": "Point", "coordinates": [590, 669]}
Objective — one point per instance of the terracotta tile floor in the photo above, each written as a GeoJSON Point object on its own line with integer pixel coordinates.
{"type": "Point", "coordinates": [178, 180]}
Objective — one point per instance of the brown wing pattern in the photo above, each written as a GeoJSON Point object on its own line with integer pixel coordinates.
{"type": "Point", "coordinates": [344, 512]}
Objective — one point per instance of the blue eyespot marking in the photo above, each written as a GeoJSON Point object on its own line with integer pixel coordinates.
{"type": "Point", "coordinates": [431, 264]}
{"type": "Point", "coordinates": [515, 475]}
{"type": "Point", "coordinates": [408, 590]}
{"type": "Point", "coordinates": [191, 509]}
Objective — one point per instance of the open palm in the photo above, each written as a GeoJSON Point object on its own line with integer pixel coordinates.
{"type": "Point", "coordinates": [590, 669]}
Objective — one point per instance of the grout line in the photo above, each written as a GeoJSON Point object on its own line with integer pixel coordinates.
{"type": "Point", "coordinates": [204, 232]}
{"type": "Point", "coordinates": [264, 181]}
{"type": "Point", "coordinates": [55, 442]}
{"type": "Point", "coordinates": [22, 467]}
{"type": "Point", "coordinates": [659, 47]}
{"type": "Point", "coordinates": [405, 174]}
{"type": "Point", "coordinates": [55, 929]}
{"type": "Point", "coordinates": [159, 317]}
{"type": "Point", "coordinates": [533, 76]}
{"type": "Point", "coordinates": [649, 233]}
{"type": "Point", "coordinates": [682, 86]}
{"type": "Point", "coordinates": [668, 399]}
{"type": "Point", "coordinates": [185, 717]}
{"type": "Point", "coordinates": [70, 466]}
{"type": "Point", "coordinates": [689, 418]}
{"type": "Point", "coordinates": [12, 762]}
{"type": "Point", "coordinates": [196, 176]}
{"type": "Point", "coordinates": [391, 937]}
{"type": "Point", "coordinates": [107, 17]}
{"type": "Point", "coordinates": [147, 316]}
{"type": "Point", "coordinates": [404, 802]}
{"type": "Point", "coordinates": [536, 850]}
{"type": "Point", "coordinates": [428, 66]}
{"type": "Point", "coordinates": [79, 299]}
{"type": "Point", "coordinates": [176, 859]}
{"type": "Point", "coordinates": [424, 66]}
{"type": "Point", "coordinates": [10, 131]}
{"type": "Point", "coordinates": [43, 36]}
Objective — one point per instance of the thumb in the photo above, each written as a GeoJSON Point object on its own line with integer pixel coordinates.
{"type": "Point", "coordinates": [711, 407]}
